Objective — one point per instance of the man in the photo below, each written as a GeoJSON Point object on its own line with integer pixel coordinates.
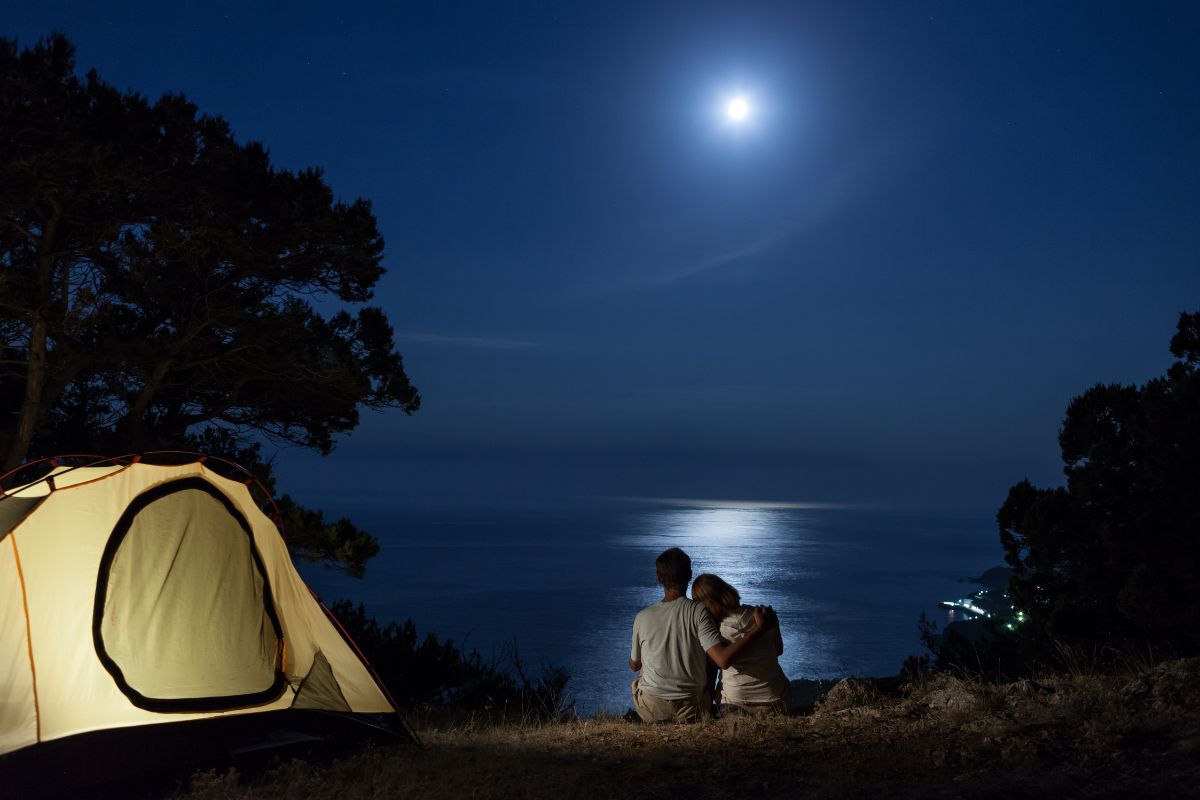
{"type": "Point", "coordinates": [672, 641]}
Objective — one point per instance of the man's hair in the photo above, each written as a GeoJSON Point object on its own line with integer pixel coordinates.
{"type": "Point", "coordinates": [673, 569]}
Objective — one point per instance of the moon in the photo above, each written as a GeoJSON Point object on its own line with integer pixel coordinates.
{"type": "Point", "coordinates": [737, 109]}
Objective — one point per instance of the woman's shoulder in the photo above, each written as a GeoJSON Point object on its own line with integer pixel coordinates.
{"type": "Point", "coordinates": [744, 613]}
{"type": "Point", "coordinates": [738, 621]}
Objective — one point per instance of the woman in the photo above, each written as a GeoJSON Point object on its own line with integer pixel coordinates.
{"type": "Point", "coordinates": [754, 683]}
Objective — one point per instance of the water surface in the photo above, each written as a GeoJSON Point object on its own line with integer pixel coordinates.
{"type": "Point", "coordinates": [564, 582]}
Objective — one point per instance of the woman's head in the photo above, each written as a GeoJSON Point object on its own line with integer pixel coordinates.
{"type": "Point", "coordinates": [718, 597]}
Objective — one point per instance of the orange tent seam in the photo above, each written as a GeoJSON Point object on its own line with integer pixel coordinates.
{"type": "Point", "coordinates": [37, 712]}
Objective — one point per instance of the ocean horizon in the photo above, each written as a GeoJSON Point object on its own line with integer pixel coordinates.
{"type": "Point", "coordinates": [560, 583]}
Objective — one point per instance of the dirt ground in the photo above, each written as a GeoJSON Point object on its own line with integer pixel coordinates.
{"type": "Point", "coordinates": [1083, 736]}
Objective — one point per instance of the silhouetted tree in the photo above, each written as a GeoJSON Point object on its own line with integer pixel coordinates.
{"type": "Point", "coordinates": [1112, 559]}
{"type": "Point", "coordinates": [156, 285]}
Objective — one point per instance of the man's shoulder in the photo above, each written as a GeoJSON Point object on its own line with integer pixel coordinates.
{"type": "Point", "coordinates": [696, 615]}
{"type": "Point", "coordinates": [650, 612]}
{"type": "Point", "coordinates": [683, 606]}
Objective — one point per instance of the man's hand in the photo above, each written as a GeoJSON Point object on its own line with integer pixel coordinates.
{"type": "Point", "coordinates": [765, 617]}
{"type": "Point", "coordinates": [636, 666]}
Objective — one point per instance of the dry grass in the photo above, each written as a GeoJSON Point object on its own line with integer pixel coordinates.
{"type": "Point", "coordinates": [1078, 736]}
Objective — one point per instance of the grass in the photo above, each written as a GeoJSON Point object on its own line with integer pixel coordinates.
{"type": "Point", "coordinates": [1081, 735]}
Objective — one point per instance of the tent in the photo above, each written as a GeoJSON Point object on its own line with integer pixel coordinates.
{"type": "Point", "coordinates": [135, 594]}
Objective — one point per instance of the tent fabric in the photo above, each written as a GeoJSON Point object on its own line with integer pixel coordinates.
{"type": "Point", "coordinates": [319, 688]}
{"type": "Point", "coordinates": [139, 594]}
{"type": "Point", "coordinates": [18, 717]}
{"type": "Point", "coordinates": [15, 509]}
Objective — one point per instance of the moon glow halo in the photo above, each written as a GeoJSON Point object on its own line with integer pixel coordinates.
{"type": "Point", "coordinates": [737, 109]}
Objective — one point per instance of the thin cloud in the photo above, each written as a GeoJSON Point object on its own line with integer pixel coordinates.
{"type": "Point", "coordinates": [474, 342]}
{"type": "Point", "coordinates": [734, 256]}
{"type": "Point", "coordinates": [820, 203]}
{"type": "Point", "coordinates": [716, 263]}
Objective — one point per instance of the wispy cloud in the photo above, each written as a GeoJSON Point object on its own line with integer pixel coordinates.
{"type": "Point", "coordinates": [741, 254]}
{"type": "Point", "coordinates": [475, 342]}
{"type": "Point", "coordinates": [715, 263]}
{"type": "Point", "coordinates": [820, 202]}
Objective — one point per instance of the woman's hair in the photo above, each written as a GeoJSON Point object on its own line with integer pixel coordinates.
{"type": "Point", "coordinates": [716, 593]}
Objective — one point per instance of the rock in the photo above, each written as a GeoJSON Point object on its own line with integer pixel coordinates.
{"type": "Point", "coordinates": [1171, 684]}
{"type": "Point", "coordinates": [955, 696]}
{"type": "Point", "coordinates": [847, 693]}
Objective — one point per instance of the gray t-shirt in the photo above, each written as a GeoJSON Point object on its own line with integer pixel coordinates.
{"type": "Point", "coordinates": [670, 640]}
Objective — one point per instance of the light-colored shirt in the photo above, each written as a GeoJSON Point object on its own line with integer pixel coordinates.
{"type": "Point", "coordinates": [670, 640]}
{"type": "Point", "coordinates": [755, 677]}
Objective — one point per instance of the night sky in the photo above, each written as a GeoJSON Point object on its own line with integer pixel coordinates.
{"type": "Point", "coordinates": [939, 223]}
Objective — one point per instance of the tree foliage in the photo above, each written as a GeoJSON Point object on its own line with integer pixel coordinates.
{"type": "Point", "coordinates": [1111, 559]}
{"type": "Point", "coordinates": [160, 282]}
{"type": "Point", "coordinates": [431, 674]}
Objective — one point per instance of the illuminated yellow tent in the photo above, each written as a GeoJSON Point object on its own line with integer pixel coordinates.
{"type": "Point", "coordinates": [133, 594]}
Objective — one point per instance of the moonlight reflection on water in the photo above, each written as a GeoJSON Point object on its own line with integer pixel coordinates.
{"type": "Point", "coordinates": [565, 582]}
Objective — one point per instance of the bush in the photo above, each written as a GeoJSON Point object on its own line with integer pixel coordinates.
{"type": "Point", "coordinates": [983, 650]}
{"type": "Point", "coordinates": [428, 674]}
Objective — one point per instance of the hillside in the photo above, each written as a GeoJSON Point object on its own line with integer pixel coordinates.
{"type": "Point", "coordinates": [1081, 736]}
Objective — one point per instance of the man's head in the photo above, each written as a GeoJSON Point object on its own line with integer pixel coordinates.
{"type": "Point", "coordinates": [674, 569]}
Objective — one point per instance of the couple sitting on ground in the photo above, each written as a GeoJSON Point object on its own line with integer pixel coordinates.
{"type": "Point", "coordinates": [674, 639]}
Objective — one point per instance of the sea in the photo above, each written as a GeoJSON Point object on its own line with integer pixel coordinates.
{"type": "Point", "coordinates": [559, 584]}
